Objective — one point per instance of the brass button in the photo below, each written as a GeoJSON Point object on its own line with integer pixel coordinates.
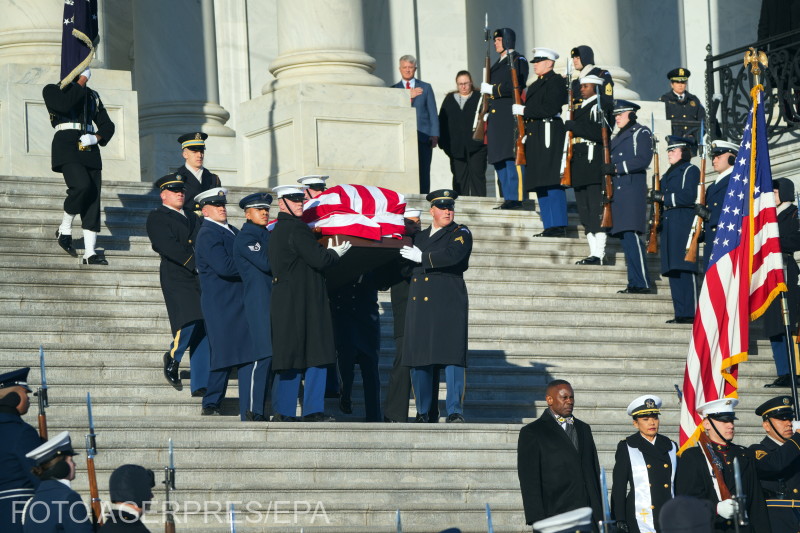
{"type": "Point", "coordinates": [413, 297]}
{"type": "Point", "coordinates": [795, 491]}
{"type": "Point", "coordinates": [426, 298]}
{"type": "Point", "coordinates": [415, 280]}
{"type": "Point", "coordinates": [666, 485]}
{"type": "Point", "coordinates": [652, 507]}
{"type": "Point", "coordinates": [426, 278]}
{"type": "Point", "coordinates": [190, 241]}
{"type": "Point", "coordinates": [648, 466]}
{"type": "Point", "coordinates": [492, 110]}
{"type": "Point", "coordinates": [666, 465]}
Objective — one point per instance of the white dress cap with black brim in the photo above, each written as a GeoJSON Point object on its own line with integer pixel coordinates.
{"type": "Point", "coordinates": [593, 79]}
{"type": "Point", "coordinates": [723, 409]}
{"type": "Point", "coordinates": [61, 444]}
{"type": "Point", "coordinates": [290, 192]}
{"type": "Point", "coordinates": [412, 213]}
{"type": "Point", "coordinates": [313, 179]}
{"type": "Point", "coordinates": [720, 147]}
{"type": "Point", "coordinates": [571, 521]}
{"type": "Point", "coordinates": [540, 54]}
{"type": "Point", "coordinates": [215, 196]}
{"type": "Point", "coordinates": [648, 404]}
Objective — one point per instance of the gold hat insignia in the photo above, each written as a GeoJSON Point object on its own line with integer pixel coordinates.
{"type": "Point", "coordinates": [197, 137]}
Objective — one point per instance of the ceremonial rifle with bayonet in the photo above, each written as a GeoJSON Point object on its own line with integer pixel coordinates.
{"type": "Point", "coordinates": [91, 451]}
{"type": "Point", "coordinates": [741, 518]}
{"type": "Point", "coordinates": [519, 143]}
{"type": "Point", "coordinates": [655, 216]}
{"type": "Point", "coordinates": [41, 394]}
{"type": "Point", "coordinates": [608, 185]}
{"type": "Point", "coordinates": [479, 124]}
{"type": "Point", "coordinates": [693, 242]}
{"type": "Point", "coordinates": [169, 484]}
{"type": "Point", "coordinates": [566, 158]}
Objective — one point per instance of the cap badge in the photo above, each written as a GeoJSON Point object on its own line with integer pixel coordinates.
{"type": "Point", "coordinates": [197, 137]}
{"type": "Point", "coordinates": [650, 403]}
{"type": "Point", "coordinates": [680, 71]}
{"type": "Point", "coordinates": [786, 401]}
{"type": "Point", "coordinates": [220, 193]}
{"type": "Point", "coordinates": [728, 402]}
{"type": "Point", "coordinates": [447, 193]}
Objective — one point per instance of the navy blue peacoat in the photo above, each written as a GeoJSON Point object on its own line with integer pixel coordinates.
{"type": "Point", "coordinates": [250, 253]}
{"type": "Point", "coordinates": [631, 152]}
{"type": "Point", "coordinates": [679, 186]}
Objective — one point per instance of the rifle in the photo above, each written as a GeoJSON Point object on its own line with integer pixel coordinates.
{"type": "Point", "coordinates": [397, 522]}
{"type": "Point", "coordinates": [232, 514]}
{"type": "Point", "coordinates": [741, 498]}
{"type": "Point", "coordinates": [519, 146]}
{"type": "Point", "coordinates": [716, 465]}
{"type": "Point", "coordinates": [91, 451]}
{"type": "Point", "coordinates": [566, 177]}
{"type": "Point", "coordinates": [605, 524]}
{"type": "Point", "coordinates": [608, 185]}
{"type": "Point", "coordinates": [490, 526]}
{"type": "Point", "coordinates": [169, 483]}
{"type": "Point", "coordinates": [41, 393]}
{"type": "Point", "coordinates": [655, 220]}
{"type": "Point", "coordinates": [479, 125]}
{"type": "Point", "coordinates": [693, 242]}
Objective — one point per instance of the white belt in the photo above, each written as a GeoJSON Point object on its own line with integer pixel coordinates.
{"type": "Point", "coordinates": [74, 126]}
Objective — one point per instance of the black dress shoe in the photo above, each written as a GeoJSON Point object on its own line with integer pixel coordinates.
{"type": "Point", "coordinates": [171, 371]}
{"type": "Point", "coordinates": [421, 418]}
{"type": "Point", "coordinates": [346, 406]}
{"type": "Point", "coordinates": [94, 260]}
{"type": "Point", "coordinates": [318, 417]}
{"type": "Point", "coordinates": [681, 320]}
{"type": "Point", "coordinates": [281, 418]}
{"type": "Point", "coordinates": [634, 290]}
{"type": "Point", "coordinates": [65, 242]}
{"type": "Point", "coordinates": [211, 410]}
{"type": "Point", "coordinates": [199, 393]}
{"type": "Point", "coordinates": [780, 381]}
{"type": "Point", "coordinates": [250, 416]}
{"type": "Point", "coordinates": [591, 260]}
{"type": "Point", "coordinates": [512, 204]}
{"type": "Point", "coordinates": [457, 418]}
{"type": "Point", "coordinates": [390, 420]}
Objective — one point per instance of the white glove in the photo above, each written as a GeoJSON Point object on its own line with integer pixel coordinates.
{"type": "Point", "coordinates": [341, 249]}
{"type": "Point", "coordinates": [517, 109]}
{"type": "Point", "coordinates": [412, 253]}
{"type": "Point", "coordinates": [795, 425]}
{"type": "Point", "coordinates": [486, 88]}
{"type": "Point", "coordinates": [87, 73]}
{"type": "Point", "coordinates": [727, 508]}
{"type": "Point", "coordinates": [486, 117]}
{"type": "Point", "coordinates": [87, 139]}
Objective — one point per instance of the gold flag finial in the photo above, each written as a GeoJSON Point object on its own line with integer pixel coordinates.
{"type": "Point", "coordinates": [755, 60]}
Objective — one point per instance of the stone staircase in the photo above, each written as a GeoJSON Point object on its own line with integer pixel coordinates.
{"type": "Point", "coordinates": [534, 316]}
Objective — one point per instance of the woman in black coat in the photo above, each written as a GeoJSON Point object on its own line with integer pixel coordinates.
{"type": "Point", "coordinates": [467, 156]}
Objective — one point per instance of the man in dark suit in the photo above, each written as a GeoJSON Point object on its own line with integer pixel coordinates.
{"type": "Point", "coordinates": [644, 468]}
{"type": "Point", "coordinates": [557, 460]}
{"type": "Point", "coordinates": [82, 126]}
{"type": "Point", "coordinates": [173, 233]}
{"type": "Point", "coordinates": [130, 489]}
{"type": "Point", "coordinates": [222, 301]}
{"type": "Point", "coordinates": [778, 463]}
{"type": "Point", "coordinates": [197, 177]}
{"type": "Point", "coordinates": [423, 101]}
{"type": "Point", "coordinates": [17, 483]}
{"type": "Point", "coordinates": [250, 251]}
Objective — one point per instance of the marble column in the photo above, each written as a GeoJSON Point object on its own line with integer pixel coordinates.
{"type": "Point", "coordinates": [175, 74]}
{"type": "Point", "coordinates": [556, 26]}
{"type": "Point", "coordinates": [30, 32]}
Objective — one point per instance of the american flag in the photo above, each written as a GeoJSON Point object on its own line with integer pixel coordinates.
{"type": "Point", "coordinates": [79, 37]}
{"type": "Point", "coordinates": [745, 274]}
{"type": "Point", "coordinates": [358, 210]}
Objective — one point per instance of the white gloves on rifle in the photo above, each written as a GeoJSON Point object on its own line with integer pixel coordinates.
{"type": "Point", "coordinates": [517, 110]}
{"type": "Point", "coordinates": [727, 508]}
{"type": "Point", "coordinates": [340, 249]}
{"type": "Point", "coordinates": [87, 139]}
{"type": "Point", "coordinates": [486, 88]}
{"type": "Point", "coordinates": [795, 425]}
{"type": "Point", "coordinates": [87, 73]}
{"type": "Point", "coordinates": [412, 253]}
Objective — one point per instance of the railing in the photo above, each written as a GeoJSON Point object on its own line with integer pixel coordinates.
{"type": "Point", "coordinates": [729, 102]}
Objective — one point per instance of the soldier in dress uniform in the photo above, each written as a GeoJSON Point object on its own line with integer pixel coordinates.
{"type": "Point", "coordinates": [644, 469]}
{"type": "Point", "coordinates": [130, 489]}
{"type": "Point", "coordinates": [55, 506]}
{"type": "Point", "coordinates": [500, 123]}
{"type": "Point", "coordinates": [683, 108]}
{"type": "Point", "coordinates": [17, 483]}
{"type": "Point", "coordinates": [82, 126]}
{"type": "Point", "coordinates": [631, 151]}
{"type": "Point", "coordinates": [678, 195]}
{"type": "Point", "coordinates": [778, 463]}
{"type": "Point", "coordinates": [438, 306]}
{"type": "Point", "coordinates": [583, 61]}
{"type": "Point", "coordinates": [544, 141]}
{"type": "Point", "coordinates": [695, 470]}
{"type": "Point", "coordinates": [251, 254]}
{"type": "Point", "coordinates": [222, 299]}
{"type": "Point", "coordinates": [197, 177]}
{"type": "Point", "coordinates": [300, 311]}
{"type": "Point", "coordinates": [313, 185]}
{"type": "Point", "coordinates": [173, 233]}
{"type": "Point", "coordinates": [723, 156]}
{"type": "Point", "coordinates": [587, 157]}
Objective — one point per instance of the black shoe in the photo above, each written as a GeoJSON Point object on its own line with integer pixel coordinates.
{"type": "Point", "coordinates": [780, 381]}
{"type": "Point", "coordinates": [512, 204]}
{"type": "Point", "coordinates": [346, 406]}
{"type": "Point", "coordinates": [457, 418]}
{"type": "Point", "coordinates": [94, 260]}
{"type": "Point", "coordinates": [318, 417]}
{"type": "Point", "coordinates": [591, 260]}
{"type": "Point", "coordinates": [281, 418]}
{"type": "Point", "coordinates": [250, 416]}
{"type": "Point", "coordinates": [634, 290]}
{"type": "Point", "coordinates": [555, 231]}
{"type": "Point", "coordinates": [65, 242]}
{"type": "Point", "coordinates": [171, 371]}
{"type": "Point", "coordinates": [199, 393]}
{"type": "Point", "coordinates": [390, 420]}
{"type": "Point", "coordinates": [681, 320]}
{"type": "Point", "coordinates": [211, 410]}
{"type": "Point", "coordinates": [421, 418]}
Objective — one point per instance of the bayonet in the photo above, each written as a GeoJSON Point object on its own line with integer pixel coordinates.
{"type": "Point", "coordinates": [489, 519]}
{"type": "Point", "coordinates": [41, 394]}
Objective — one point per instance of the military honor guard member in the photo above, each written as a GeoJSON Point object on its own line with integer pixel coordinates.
{"type": "Point", "coordinates": [644, 470]}
{"type": "Point", "coordinates": [130, 489]}
{"type": "Point", "coordinates": [17, 482]}
{"type": "Point", "coordinates": [789, 233]}
{"type": "Point", "coordinates": [678, 195]}
{"type": "Point", "coordinates": [251, 254]}
{"type": "Point", "coordinates": [197, 178]}
{"type": "Point", "coordinates": [500, 123]}
{"type": "Point", "coordinates": [313, 185]}
{"type": "Point", "coordinates": [583, 61]}
{"type": "Point", "coordinates": [300, 311]}
{"type": "Point", "coordinates": [587, 157]}
{"type": "Point", "coordinates": [438, 306]}
{"type": "Point", "coordinates": [698, 468]}
{"type": "Point", "coordinates": [173, 233]}
{"type": "Point", "coordinates": [683, 108]}
{"type": "Point", "coordinates": [55, 506]}
{"type": "Point", "coordinates": [557, 460]}
{"type": "Point", "coordinates": [82, 126]}
{"type": "Point", "coordinates": [778, 463]}
{"type": "Point", "coordinates": [723, 157]}
{"type": "Point", "coordinates": [631, 152]}
{"type": "Point", "coordinates": [222, 299]}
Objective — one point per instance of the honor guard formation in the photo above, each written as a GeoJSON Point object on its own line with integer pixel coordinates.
{"type": "Point", "coordinates": [260, 302]}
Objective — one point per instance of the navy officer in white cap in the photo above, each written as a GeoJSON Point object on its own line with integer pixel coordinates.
{"type": "Point", "coordinates": [644, 470]}
{"type": "Point", "coordinates": [55, 506]}
{"type": "Point", "coordinates": [314, 185]}
{"type": "Point", "coordinates": [706, 471]}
